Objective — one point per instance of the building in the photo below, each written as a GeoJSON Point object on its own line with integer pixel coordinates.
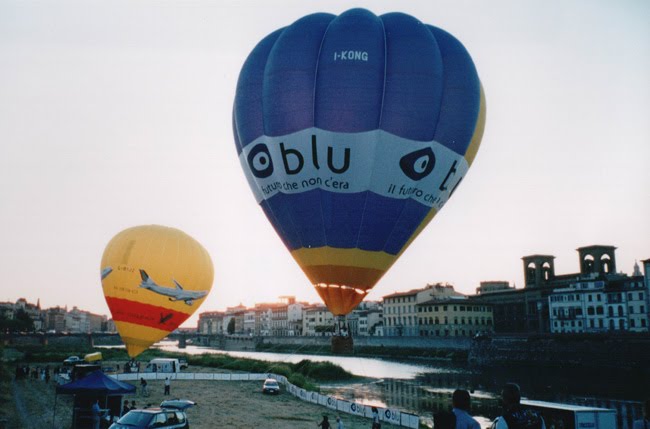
{"type": "Point", "coordinates": [317, 320]}
{"type": "Point", "coordinates": [9, 311]}
{"type": "Point", "coordinates": [78, 321]}
{"type": "Point", "coordinates": [619, 303]}
{"type": "Point", "coordinates": [249, 322]}
{"type": "Point", "coordinates": [400, 313]}
{"type": "Point", "coordinates": [454, 317]}
{"type": "Point", "coordinates": [528, 310]}
{"type": "Point", "coordinates": [294, 318]}
{"type": "Point", "coordinates": [211, 323]}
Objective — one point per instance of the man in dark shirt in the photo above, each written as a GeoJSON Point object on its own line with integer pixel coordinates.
{"type": "Point", "coordinates": [514, 415]}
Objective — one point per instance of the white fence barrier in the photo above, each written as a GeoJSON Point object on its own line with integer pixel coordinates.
{"type": "Point", "coordinates": [389, 415]}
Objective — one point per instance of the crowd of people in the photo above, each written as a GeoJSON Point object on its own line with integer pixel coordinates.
{"type": "Point", "coordinates": [25, 372]}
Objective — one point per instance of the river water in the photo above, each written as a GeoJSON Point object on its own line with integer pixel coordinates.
{"type": "Point", "coordinates": [424, 387]}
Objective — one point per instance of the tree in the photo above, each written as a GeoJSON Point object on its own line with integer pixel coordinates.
{"type": "Point", "coordinates": [231, 326]}
{"type": "Point", "coordinates": [20, 322]}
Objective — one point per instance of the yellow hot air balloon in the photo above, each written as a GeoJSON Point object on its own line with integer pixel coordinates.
{"type": "Point", "coordinates": [154, 278]}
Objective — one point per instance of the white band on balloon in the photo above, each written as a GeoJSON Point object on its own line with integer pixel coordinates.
{"type": "Point", "coordinates": [375, 161]}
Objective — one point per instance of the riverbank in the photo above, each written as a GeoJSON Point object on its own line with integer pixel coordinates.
{"type": "Point", "coordinates": [234, 404]}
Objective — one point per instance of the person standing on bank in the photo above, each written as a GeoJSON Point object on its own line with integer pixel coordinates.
{"type": "Point", "coordinates": [339, 423]}
{"type": "Point", "coordinates": [143, 385]}
{"type": "Point", "coordinates": [375, 419]}
{"type": "Point", "coordinates": [460, 401]}
{"type": "Point", "coordinates": [514, 415]}
{"type": "Point", "coordinates": [125, 407]}
{"type": "Point", "coordinates": [167, 385]}
{"type": "Point", "coordinates": [325, 423]}
{"type": "Point", "coordinates": [644, 423]}
{"type": "Point", "coordinates": [96, 414]}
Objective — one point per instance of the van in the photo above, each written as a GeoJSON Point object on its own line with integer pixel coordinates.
{"type": "Point", "coordinates": [163, 365]}
{"type": "Point", "coordinates": [573, 416]}
{"type": "Point", "coordinates": [93, 357]}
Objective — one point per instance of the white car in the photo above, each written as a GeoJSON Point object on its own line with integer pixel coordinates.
{"type": "Point", "coordinates": [271, 386]}
{"type": "Point", "coordinates": [72, 360]}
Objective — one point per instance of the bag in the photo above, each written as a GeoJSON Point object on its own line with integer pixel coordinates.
{"type": "Point", "coordinates": [523, 419]}
{"type": "Point", "coordinates": [444, 420]}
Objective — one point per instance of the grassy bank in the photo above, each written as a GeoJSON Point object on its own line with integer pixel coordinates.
{"type": "Point", "coordinates": [400, 353]}
{"type": "Point", "coordinates": [305, 374]}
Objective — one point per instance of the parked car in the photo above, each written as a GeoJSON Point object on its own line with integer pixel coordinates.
{"type": "Point", "coordinates": [170, 415]}
{"type": "Point", "coordinates": [72, 360]}
{"type": "Point", "coordinates": [271, 386]}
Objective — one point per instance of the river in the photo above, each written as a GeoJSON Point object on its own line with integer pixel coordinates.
{"type": "Point", "coordinates": [425, 387]}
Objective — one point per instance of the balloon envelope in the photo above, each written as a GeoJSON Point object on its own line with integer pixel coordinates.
{"type": "Point", "coordinates": [353, 131]}
{"type": "Point", "coordinates": [154, 278]}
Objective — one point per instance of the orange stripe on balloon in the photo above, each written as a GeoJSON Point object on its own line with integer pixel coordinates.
{"type": "Point", "coordinates": [124, 310]}
{"type": "Point", "coordinates": [340, 301]}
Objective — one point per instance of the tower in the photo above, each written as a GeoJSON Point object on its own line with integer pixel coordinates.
{"type": "Point", "coordinates": [538, 270]}
{"type": "Point", "coordinates": [597, 260]}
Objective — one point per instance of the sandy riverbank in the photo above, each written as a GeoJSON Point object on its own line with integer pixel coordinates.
{"type": "Point", "coordinates": [221, 404]}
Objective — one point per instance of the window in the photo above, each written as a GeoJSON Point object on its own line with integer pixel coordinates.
{"type": "Point", "coordinates": [591, 298]}
{"type": "Point", "coordinates": [641, 295]}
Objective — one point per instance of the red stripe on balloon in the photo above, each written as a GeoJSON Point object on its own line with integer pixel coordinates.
{"type": "Point", "coordinates": [138, 313]}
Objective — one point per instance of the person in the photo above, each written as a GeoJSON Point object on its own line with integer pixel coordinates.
{"type": "Point", "coordinates": [514, 415]}
{"type": "Point", "coordinates": [143, 386]}
{"type": "Point", "coordinates": [325, 424]}
{"type": "Point", "coordinates": [375, 419]}
{"type": "Point", "coordinates": [133, 407]}
{"type": "Point", "coordinates": [339, 423]}
{"type": "Point", "coordinates": [460, 401]}
{"type": "Point", "coordinates": [644, 423]}
{"type": "Point", "coordinates": [125, 407]}
{"type": "Point", "coordinates": [96, 414]}
{"type": "Point", "coordinates": [167, 386]}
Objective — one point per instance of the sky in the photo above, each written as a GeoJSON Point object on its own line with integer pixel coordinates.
{"type": "Point", "coordinates": [118, 113]}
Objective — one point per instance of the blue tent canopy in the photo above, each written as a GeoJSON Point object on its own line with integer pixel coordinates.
{"type": "Point", "coordinates": [96, 383]}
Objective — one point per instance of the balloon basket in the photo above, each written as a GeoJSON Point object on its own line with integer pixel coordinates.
{"type": "Point", "coordinates": [342, 344]}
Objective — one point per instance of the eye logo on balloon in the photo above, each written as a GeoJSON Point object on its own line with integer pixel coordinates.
{"type": "Point", "coordinates": [260, 162]}
{"type": "Point", "coordinates": [419, 164]}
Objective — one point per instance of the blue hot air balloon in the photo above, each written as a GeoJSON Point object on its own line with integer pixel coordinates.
{"type": "Point", "coordinates": [353, 131]}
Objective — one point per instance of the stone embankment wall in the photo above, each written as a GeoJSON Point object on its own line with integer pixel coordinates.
{"type": "Point", "coordinates": [599, 352]}
{"type": "Point", "coordinates": [249, 343]}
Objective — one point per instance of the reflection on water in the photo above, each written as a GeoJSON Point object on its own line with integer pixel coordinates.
{"type": "Point", "coordinates": [365, 367]}
{"type": "Point", "coordinates": [427, 388]}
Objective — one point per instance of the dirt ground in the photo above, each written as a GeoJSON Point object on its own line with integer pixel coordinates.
{"type": "Point", "coordinates": [221, 404]}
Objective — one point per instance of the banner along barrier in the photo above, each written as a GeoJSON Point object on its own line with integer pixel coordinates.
{"type": "Point", "coordinates": [388, 415]}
